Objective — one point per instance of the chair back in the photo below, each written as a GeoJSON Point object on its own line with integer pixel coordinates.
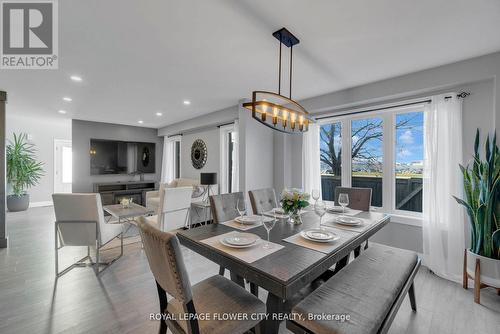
{"type": "Point", "coordinates": [78, 217]}
{"type": "Point", "coordinates": [223, 206]}
{"type": "Point", "coordinates": [359, 198]}
{"type": "Point", "coordinates": [263, 200]}
{"type": "Point", "coordinates": [165, 261]}
{"type": "Point", "coordinates": [174, 207]}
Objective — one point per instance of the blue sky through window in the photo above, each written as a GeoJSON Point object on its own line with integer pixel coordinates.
{"type": "Point", "coordinates": [409, 138]}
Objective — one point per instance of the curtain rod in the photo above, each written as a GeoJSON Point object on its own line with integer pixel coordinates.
{"type": "Point", "coordinates": [461, 95]}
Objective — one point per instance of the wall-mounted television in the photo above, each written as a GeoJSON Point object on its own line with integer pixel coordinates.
{"type": "Point", "coordinates": [121, 157]}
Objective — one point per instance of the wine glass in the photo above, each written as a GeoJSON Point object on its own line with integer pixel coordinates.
{"type": "Point", "coordinates": [268, 225]}
{"type": "Point", "coordinates": [315, 194]}
{"type": "Point", "coordinates": [241, 208]}
{"type": "Point", "coordinates": [343, 201]}
{"type": "Point", "coordinates": [320, 210]}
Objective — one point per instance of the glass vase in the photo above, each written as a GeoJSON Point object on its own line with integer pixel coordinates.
{"type": "Point", "coordinates": [295, 217]}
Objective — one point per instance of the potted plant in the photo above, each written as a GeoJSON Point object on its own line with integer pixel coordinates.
{"type": "Point", "coordinates": [482, 201]}
{"type": "Point", "coordinates": [292, 201]}
{"type": "Point", "coordinates": [23, 171]}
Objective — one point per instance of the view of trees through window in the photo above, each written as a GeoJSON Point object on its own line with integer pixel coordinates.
{"type": "Point", "coordinates": [367, 158]}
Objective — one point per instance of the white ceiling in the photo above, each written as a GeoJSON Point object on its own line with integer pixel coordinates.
{"type": "Point", "coordinates": [138, 57]}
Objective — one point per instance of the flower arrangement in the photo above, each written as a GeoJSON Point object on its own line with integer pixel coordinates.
{"type": "Point", "coordinates": [292, 200]}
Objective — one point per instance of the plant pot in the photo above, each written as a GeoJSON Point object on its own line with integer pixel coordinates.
{"type": "Point", "coordinates": [18, 203]}
{"type": "Point", "coordinates": [490, 269]}
{"type": "Point", "coordinates": [484, 271]}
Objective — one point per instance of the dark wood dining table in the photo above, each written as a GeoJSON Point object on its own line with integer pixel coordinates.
{"type": "Point", "coordinates": [285, 272]}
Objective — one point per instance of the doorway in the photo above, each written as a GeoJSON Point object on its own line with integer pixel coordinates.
{"type": "Point", "coordinates": [63, 166]}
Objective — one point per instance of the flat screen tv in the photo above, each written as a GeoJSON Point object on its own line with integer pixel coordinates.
{"type": "Point", "coordinates": [121, 157]}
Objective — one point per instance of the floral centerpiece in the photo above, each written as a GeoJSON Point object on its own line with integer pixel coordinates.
{"type": "Point", "coordinates": [292, 201]}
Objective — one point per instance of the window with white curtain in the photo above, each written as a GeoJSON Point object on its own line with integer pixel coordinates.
{"type": "Point", "coordinates": [386, 154]}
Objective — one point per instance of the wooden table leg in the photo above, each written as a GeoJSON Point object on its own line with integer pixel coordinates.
{"type": "Point", "coordinates": [275, 306]}
{"type": "Point", "coordinates": [341, 264]}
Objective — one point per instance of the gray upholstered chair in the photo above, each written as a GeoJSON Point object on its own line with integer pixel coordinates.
{"type": "Point", "coordinates": [359, 198]}
{"type": "Point", "coordinates": [263, 200]}
{"type": "Point", "coordinates": [223, 206]}
{"type": "Point", "coordinates": [214, 295]}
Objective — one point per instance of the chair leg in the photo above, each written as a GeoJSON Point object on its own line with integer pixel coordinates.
{"type": "Point", "coordinates": [162, 297]}
{"type": "Point", "coordinates": [341, 264]}
{"type": "Point", "coordinates": [56, 251]}
{"type": "Point", "coordinates": [366, 245]}
{"type": "Point", "coordinates": [221, 270]}
{"type": "Point", "coordinates": [411, 294]}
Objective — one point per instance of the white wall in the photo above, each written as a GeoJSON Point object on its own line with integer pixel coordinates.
{"type": "Point", "coordinates": [212, 140]}
{"type": "Point", "coordinates": [41, 131]}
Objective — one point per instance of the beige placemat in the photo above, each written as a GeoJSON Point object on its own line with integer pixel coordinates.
{"type": "Point", "coordinates": [249, 255]}
{"type": "Point", "coordinates": [239, 226]}
{"type": "Point", "coordinates": [323, 247]}
{"type": "Point", "coordinates": [330, 221]}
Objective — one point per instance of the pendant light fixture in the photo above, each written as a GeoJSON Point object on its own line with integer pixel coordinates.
{"type": "Point", "coordinates": [275, 110]}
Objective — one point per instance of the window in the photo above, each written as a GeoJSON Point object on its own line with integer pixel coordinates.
{"type": "Point", "coordinates": [386, 154]}
{"type": "Point", "coordinates": [331, 159]}
{"type": "Point", "coordinates": [177, 159]}
{"type": "Point", "coordinates": [228, 158]}
{"type": "Point", "coordinates": [367, 156]}
{"type": "Point", "coordinates": [409, 157]}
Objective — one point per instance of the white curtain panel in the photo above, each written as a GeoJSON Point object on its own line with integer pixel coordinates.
{"type": "Point", "coordinates": [443, 218]}
{"type": "Point", "coordinates": [168, 163]}
{"type": "Point", "coordinates": [311, 171]}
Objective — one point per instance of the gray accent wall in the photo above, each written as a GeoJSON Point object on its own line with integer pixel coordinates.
{"type": "Point", "coordinates": [3, 232]}
{"type": "Point", "coordinates": [83, 131]}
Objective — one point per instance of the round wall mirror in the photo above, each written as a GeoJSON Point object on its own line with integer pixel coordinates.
{"type": "Point", "coordinates": [198, 154]}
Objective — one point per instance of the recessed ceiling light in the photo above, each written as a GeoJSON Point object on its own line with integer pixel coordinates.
{"type": "Point", "coordinates": [159, 114]}
{"type": "Point", "coordinates": [140, 122]}
{"type": "Point", "coordinates": [76, 78]}
{"type": "Point", "coordinates": [186, 102]}
{"type": "Point", "coordinates": [62, 112]}
{"type": "Point", "coordinates": [67, 99]}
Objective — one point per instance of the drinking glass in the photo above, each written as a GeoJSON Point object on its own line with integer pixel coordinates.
{"type": "Point", "coordinates": [315, 194]}
{"type": "Point", "coordinates": [343, 201]}
{"type": "Point", "coordinates": [241, 208]}
{"type": "Point", "coordinates": [320, 210]}
{"type": "Point", "coordinates": [268, 225]}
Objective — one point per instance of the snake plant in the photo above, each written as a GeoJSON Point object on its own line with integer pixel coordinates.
{"type": "Point", "coordinates": [482, 199]}
{"type": "Point", "coordinates": [23, 171]}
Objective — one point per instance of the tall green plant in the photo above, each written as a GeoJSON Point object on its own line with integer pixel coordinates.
{"type": "Point", "coordinates": [482, 199]}
{"type": "Point", "coordinates": [23, 171]}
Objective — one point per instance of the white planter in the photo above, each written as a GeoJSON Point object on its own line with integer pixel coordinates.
{"type": "Point", "coordinates": [489, 269]}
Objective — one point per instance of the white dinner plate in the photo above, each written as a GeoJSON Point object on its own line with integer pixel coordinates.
{"type": "Point", "coordinates": [318, 235]}
{"type": "Point", "coordinates": [248, 220]}
{"type": "Point", "coordinates": [277, 213]}
{"type": "Point", "coordinates": [349, 221]}
{"type": "Point", "coordinates": [240, 240]}
{"type": "Point", "coordinates": [336, 209]}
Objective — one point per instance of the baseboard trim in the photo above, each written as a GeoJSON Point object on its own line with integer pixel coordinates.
{"type": "Point", "coordinates": [40, 204]}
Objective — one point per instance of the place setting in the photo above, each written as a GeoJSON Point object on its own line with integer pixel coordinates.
{"type": "Point", "coordinates": [245, 222]}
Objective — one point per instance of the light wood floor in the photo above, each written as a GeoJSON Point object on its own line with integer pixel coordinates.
{"type": "Point", "coordinates": [120, 301]}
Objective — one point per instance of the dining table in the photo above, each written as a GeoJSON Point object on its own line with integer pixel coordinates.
{"type": "Point", "coordinates": [294, 264]}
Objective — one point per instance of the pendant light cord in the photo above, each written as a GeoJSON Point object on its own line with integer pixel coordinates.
{"type": "Point", "coordinates": [291, 56]}
{"type": "Point", "coordinates": [279, 72]}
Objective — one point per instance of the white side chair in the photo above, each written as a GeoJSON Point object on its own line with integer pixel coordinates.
{"type": "Point", "coordinates": [80, 222]}
{"type": "Point", "coordinates": [174, 208]}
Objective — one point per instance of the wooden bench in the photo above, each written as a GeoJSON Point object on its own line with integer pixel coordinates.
{"type": "Point", "coordinates": [369, 291]}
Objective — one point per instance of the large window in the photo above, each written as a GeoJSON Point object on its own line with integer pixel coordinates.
{"type": "Point", "coordinates": [386, 155]}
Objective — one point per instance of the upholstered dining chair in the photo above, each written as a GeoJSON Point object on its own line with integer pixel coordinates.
{"type": "Point", "coordinates": [174, 208]}
{"type": "Point", "coordinates": [223, 206]}
{"type": "Point", "coordinates": [262, 200]}
{"type": "Point", "coordinates": [359, 198]}
{"type": "Point", "coordinates": [214, 295]}
{"type": "Point", "coordinates": [80, 222]}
